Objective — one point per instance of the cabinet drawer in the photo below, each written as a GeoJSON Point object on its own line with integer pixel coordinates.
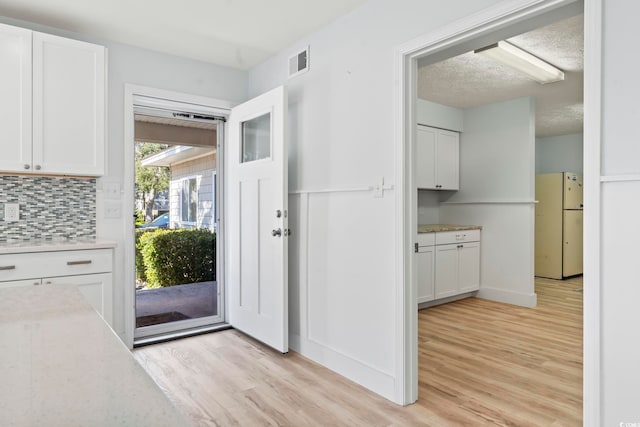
{"type": "Point", "coordinates": [447, 237]}
{"type": "Point", "coordinates": [426, 239]}
{"type": "Point", "coordinates": [51, 264]}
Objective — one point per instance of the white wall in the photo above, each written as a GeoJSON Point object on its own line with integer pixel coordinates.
{"type": "Point", "coordinates": [562, 153]}
{"type": "Point", "coordinates": [439, 116]}
{"type": "Point", "coordinates": [342, 264]}
{"type": "Point", "coordinates": [127, 64]}
{"type": "Point", "coordinates": [496, 184]}
{"type": "Point", "coordinates": [620, 228]}
{"type": "Point", "coordinates": [428, 207]}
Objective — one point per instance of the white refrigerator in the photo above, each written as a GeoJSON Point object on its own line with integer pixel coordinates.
{"type": "Point", "coordinates": [558, 226]}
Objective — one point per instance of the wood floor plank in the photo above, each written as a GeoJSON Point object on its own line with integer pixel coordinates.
{"type": "Point", "coordinates": [480, 363]}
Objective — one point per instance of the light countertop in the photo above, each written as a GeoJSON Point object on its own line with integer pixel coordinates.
{"type": "Point", "coordinates": [61, 365]}
{"type": "Point", "coordinates": [53, 245]}
{"type": "Point", "coordinates": [437, 228]}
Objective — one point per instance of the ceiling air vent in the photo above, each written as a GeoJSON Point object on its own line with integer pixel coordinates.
{"type": "Point", "coordinates": [299, 63]}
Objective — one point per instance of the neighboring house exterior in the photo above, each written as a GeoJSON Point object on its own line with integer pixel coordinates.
{"type": "Point", "coordinates": [192, 185]}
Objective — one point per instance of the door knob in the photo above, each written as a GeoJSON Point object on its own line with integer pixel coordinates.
{"type": "Point", "coordinates": [277, 232]}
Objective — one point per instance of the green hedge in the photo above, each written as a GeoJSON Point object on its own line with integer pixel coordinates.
{"type": "Point", "coordinates": [141, 271]}
{"type": "Point", "coordinates": [177, 257]}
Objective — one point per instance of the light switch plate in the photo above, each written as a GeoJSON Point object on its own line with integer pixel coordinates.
{"type": "Point", "coordinates": [111, 190]}
{"type": "Point", "coordinates": [11, 212]}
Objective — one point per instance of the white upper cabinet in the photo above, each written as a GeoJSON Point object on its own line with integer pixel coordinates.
{"type": "Point", "coordinates": [57, 121]}
{"type": "Point", "coordinates": [437, 159]}
{"type": "Point", "coordinates": [68, 106]}
{"type": "Point", "coordinates": [15, 98]}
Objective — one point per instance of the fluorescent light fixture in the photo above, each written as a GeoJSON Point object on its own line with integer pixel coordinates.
{"type": "Point", "coordinates": [514, 57]}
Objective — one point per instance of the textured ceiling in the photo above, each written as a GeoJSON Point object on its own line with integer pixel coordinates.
{"type": "Point", "coordinates": [470, 80]}
{"type": "Point", "coordinates": [238, 34]}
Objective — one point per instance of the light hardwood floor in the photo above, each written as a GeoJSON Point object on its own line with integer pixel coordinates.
{"type": "Point", "coordinates": [481, 363]}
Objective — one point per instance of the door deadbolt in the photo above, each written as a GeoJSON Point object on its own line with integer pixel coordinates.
{"type": "Point", "coordinates": [277, 232]}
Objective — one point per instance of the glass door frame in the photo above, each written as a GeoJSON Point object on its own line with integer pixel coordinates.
{"type": "Point", "coordinates": [169, 330]}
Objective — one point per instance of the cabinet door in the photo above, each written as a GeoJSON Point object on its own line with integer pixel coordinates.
{"type": "Point", "coordinates": [20, 283]}
{"type": "Point", "coordinates": [469, 267]}
{"type": "Point", "coordinates": [426, 273]}
{"type": "Point", "coordinates": [425, 157]}
{"type": "Point", "coordinates": [15, 99]}
{"type": "Point", "coordinates": [448, 160]}
{"type": "Point", "coordinates": [68, 106]}
{"type": "Point", "coordinates": [96, 288]}
{"type": "Point", "coordinates": [446, 279]}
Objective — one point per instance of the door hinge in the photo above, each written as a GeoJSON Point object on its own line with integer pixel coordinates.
{"type": "Point", "coordinates": [415, 248]}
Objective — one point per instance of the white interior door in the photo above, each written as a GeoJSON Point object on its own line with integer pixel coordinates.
{"type": "Point", "coordinates": [257, 219]}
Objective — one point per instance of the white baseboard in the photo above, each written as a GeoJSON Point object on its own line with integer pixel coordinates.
{"type": "Point", "coordinates": [435, 302]}
{"type": "Point", "coordinates": [509, 297]}
{"type": "Point", "coordinates": [367, 376]}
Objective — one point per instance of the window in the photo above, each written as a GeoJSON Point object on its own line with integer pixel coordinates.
{"type": "Point", "coordinates": [189, 200]}
{"type": "Point", "coordinates": [256, 138]}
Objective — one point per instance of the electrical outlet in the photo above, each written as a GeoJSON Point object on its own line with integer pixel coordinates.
{"type": "Point", "coordinates": [11, 212]}
{"type": "Point", "coordinates": [112, 210]}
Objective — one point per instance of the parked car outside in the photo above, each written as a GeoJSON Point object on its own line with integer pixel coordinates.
{"type": "Point", "coordinates": [159, 222]}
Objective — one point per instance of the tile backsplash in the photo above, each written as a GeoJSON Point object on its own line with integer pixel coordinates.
{"type": "Point", "coordinates": [50, 208]}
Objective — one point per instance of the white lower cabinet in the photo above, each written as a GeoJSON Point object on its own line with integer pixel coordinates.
{"type": "Point", "coordinates": [469, 267]}
{"type": "Point", "coordinates": [446, 283]}
{"type": "Point", "coordinates": [88, 270]}
{"type": "Point", "coordinates": [450, 267]}
{"type": "Point", "coordinates": [96, 288]}
{"type": "Point", "coordinates": [426, 269]}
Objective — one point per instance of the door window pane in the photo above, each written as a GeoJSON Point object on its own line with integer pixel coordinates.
{"type": "Point", "coordinates": [256, 138]}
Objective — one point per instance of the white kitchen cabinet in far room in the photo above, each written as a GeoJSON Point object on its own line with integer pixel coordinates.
{"type": "Point", "coordinates": [457, 263]}
{"type": "Point", "coordinates": [15, 102]}
{"type": "Point", "coordinates": [425, 258]}
{"type": "Point", "coordinates": [469, 267]}
{"type": "Point", "coordinates": [437, 159]}
{"type": "Point", "coordinates": [446, 280]}
{"type": "Point", "coordinates": [68, 106]}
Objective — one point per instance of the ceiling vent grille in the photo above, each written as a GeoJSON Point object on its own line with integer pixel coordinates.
{"type": "Point", "coordinates": [299, 63]}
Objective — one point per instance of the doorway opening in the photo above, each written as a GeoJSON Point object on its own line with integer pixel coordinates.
{"type": "Point", "coordinates": [175, 176]}
{"type": "Point", "coordinates": [177, 253]}
{"type": "Point", "coordinates": [241, 203]}
{"type": "Point", "coordinates": [466, 37]}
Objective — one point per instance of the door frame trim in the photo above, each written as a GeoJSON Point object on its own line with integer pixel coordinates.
{"type": "Point", "coordinates": [486, 21]}
{"type": "Point", "coordinates": [131, 91]}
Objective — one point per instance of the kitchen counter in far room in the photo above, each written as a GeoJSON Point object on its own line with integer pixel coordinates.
{"type": "Point", "coordinates": [54, 246]}
{"type": "Point", "coordinates": [438, 228]}
{"type": "Point", "coordinates": [61, 365]}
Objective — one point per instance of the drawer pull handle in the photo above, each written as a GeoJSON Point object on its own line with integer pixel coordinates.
{"type": "Point", "coordinates": [85, 261]}
{"type": "Point", "coordinates": [8, 267]}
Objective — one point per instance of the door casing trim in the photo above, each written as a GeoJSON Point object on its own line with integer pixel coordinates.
{"type": "Point", "coordinates": [166, 97]}
{"type": "Point", "coordinates": [492, 19]}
